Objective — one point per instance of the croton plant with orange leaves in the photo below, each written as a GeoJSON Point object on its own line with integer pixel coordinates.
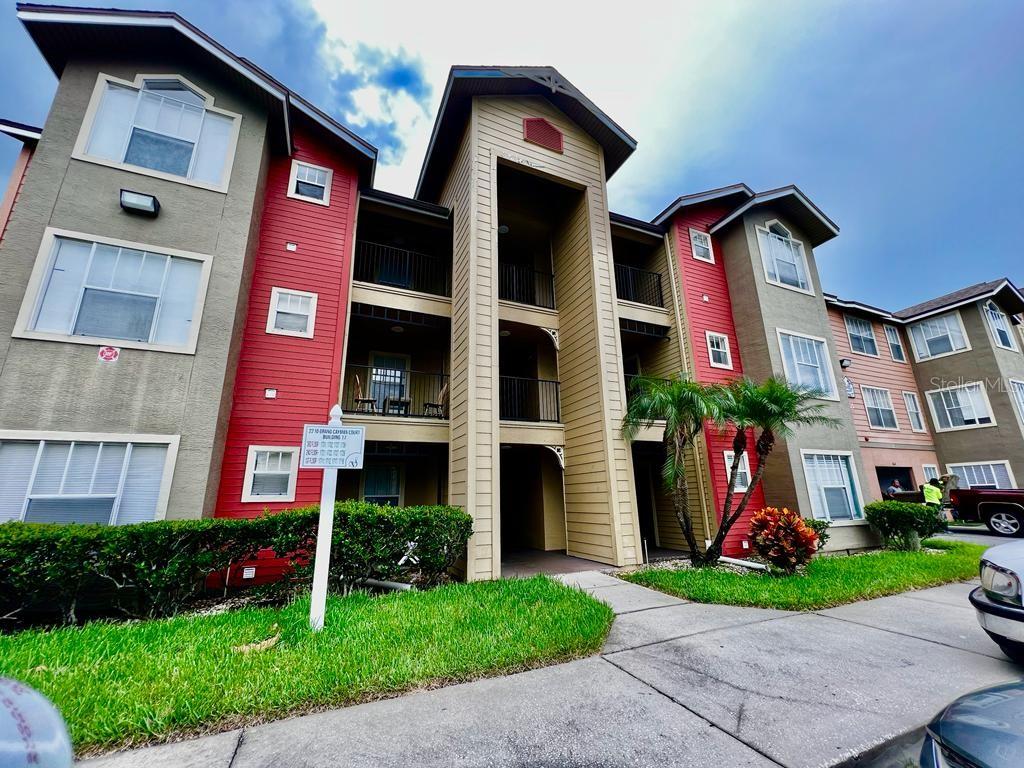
{"type": "Point", "coordinates": [782, 538]}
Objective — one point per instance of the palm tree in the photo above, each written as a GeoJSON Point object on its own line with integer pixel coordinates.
{"type": "Point", "coordinates": [774, 408]}
{"type": "Point", "coordinates": [684, 405]}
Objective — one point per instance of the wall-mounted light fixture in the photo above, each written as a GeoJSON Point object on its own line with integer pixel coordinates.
{"type": "Point", "coordinates": [845, 362]}
{"type": "Point", "coordinates": [139, 203]}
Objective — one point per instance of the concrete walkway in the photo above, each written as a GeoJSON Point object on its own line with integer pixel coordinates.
{"type": "Point", "coordinates": [678, 683]}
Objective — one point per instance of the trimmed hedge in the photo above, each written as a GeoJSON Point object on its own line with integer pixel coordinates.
{"type": "Point", "coordinates": [903, 524]}
{"type": "Point", "coordinates": [156, 569]}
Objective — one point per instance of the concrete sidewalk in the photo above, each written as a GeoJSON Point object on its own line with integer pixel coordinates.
{"type": "Point", "coordinates": [678, 683]}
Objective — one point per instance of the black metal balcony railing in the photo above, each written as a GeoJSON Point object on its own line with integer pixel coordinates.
{"type": "Point", "coordinates": [529, 399]}
{"type": "Point", "coordinates": [401, 268]}
{"type": "Point", "coordinates": [639, 285]}
{"type": "Point", "coordinates": [521, 283]}
{"type": "Point", "coordinates": [384, 391]}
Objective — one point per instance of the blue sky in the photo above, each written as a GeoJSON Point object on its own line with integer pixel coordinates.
{"type": "Point", "coordinates": [902, 120]}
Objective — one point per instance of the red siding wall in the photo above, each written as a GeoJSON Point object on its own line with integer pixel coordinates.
{"type": "Point", "coordinates": [702, 279]}
{"type": "Point", "coordinates": [305, 372]}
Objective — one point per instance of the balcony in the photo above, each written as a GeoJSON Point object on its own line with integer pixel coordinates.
{"type": "Point", "coordinates": [523, 399]}
{"type": "Point", "coordinates": [525, 285]}
{"type": "Point", "coordinates": [638, 285]}
{"type": "Point", "coordinates": [401, 268]}
{"type": "Point", "coordinates": [392, 391]}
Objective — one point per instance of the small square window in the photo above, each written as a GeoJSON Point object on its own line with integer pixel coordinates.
{"type": "Point", "coordinates": [310, 182]}
{"type": "Point", "coordinates": [742, 472]}
{"type": "Point", "coordinates": [719, 354]}
{"type": "Point", "coordinates": [270, 473]}
{"type": "Point", "coordinates": [700, 244]}
{"type": "Point", "coordinates": [292, 313]}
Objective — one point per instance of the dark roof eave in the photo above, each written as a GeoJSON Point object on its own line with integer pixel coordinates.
{"type": "Point", "coordinates": [27, 134]}
{"type": "Point", "coordinates": [420, 207]}
{"type": "Point", "coordinates": [962, 297]}
{"type": "Point", "coordinates": [719, 193]}
{"type": "Point", "coordinates": [834, 301]}
{"type": "Point", "coordinates": [643, 227]}
{"type": "Point", "coordinates": [818, 227]}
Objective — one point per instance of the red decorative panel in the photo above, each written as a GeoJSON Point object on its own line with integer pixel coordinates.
{"type": "Point", "coordinates": [537, 130]}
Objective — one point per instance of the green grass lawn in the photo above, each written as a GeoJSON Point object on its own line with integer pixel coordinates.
{"type": "Point", "coordinates": [828, 581]}
{"type": "Point", "coordinates": [123, 684]}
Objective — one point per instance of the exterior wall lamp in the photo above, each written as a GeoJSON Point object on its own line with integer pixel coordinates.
{"type": "Point", "coordinates": [845, 362]}
{"type": "Point", "coordinates": [139, 204]}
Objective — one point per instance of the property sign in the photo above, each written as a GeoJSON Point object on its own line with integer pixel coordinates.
{"type": "Point", "coordinates": [329, 446]}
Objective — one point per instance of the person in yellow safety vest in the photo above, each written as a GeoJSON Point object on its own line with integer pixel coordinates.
{"type": "Point", "coordinates": [933, 493]}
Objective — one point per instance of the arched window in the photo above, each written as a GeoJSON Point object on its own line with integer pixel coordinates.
{"type": "Point", "coordinates": [784, 261]}
{"type": "Point", "coordinates": [1000, 325]}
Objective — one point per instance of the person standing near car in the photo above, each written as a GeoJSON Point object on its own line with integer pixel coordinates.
{"type": "Point", "coordinates": [933, 493]}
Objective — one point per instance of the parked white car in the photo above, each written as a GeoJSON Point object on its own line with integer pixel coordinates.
{"type": "Point", "coordinates": [998, 599]}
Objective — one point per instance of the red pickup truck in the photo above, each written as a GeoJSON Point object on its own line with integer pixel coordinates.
{"type": "Point", "coordinates": [1001, 510]}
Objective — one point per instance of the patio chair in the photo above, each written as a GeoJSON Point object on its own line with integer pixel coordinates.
{"type": "Point", "coordinates": [440, 407]}
{"type": "Point", "coordinates": [363, 404]}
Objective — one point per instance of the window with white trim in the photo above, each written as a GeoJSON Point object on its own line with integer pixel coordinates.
{"type": "Point", "coordinates": [964, 407]}
{"type": "Point", "coordinates": [1017, 390]}
{"type": "Point", "coordinates": [992, 475]}
{"type": "Point", "coordinates": [896, 351]}
{"type": "Point", "coordinates": [914, 411]}
{"type": "Point", "coordinates": [742, 472]}
{"type": "Point", "coordinates": [807, 364]}
{"type": "Point", "coordinates": [270, 473]}
{"type": "Point", "coordinates": [1000, 325]}
{"type": "Point", "coordinates": [931, 472]}
{"type": "Point", "coordinates": [700, 245]}
{"type": "Point", "coordinates": [382, 484]}
{"type": "Point", "coordinates": [164, 126]}
{"type": "Point", "coordinates": [861, 335]}
{"type": "Point", "coordinates": [310, 182]}
{"type": "Point", "coordinates": [105, 291]}
{"type": "Point", "coordinates": [60, 481]}
{"type": "Point", "coordinates": [784, 261]}
{"type": "Point", "coordinates": [292, 313]}
{"type": "Point", "coordinates": [881, 413]}
{"type": "Point", "coordinates": [938, 336]}
{"type": "Point", "coordinates": [831, 485]}
{"type": "Point", "coordinates": [719, 354]}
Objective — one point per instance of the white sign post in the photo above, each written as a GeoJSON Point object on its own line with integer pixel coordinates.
{"type": "Point", "coordinates": [328, 447]}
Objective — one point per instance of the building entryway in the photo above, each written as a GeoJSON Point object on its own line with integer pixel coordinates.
{"type": "Point", "coordinates": [523, 563]}
{"type": "Point", "coordinates": [533, 512]}
{"type": "Point", "coordinates": [887, 474]}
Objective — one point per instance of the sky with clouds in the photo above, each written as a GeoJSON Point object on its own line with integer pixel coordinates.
{"type": "Point", "coordinates": [902, 120]}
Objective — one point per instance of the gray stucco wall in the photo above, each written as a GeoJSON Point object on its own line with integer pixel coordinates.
{"type": "Point", "coordinates": [759, 308]}
{"type": "Point", "coordinates": [48, 385]}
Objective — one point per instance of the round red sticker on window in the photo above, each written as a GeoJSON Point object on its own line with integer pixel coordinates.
{"type": "Point", "coordinates": [108, 354]}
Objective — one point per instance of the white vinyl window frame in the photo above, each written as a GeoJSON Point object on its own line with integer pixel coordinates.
{"type": "Point", "coordinates": [695, 236]}
{"type": "Point", "coordinates": [80, 151]}
{"type": "Point", "coordinates": [895, 342]}
{"type": "Point", "coordinates": [293, 177]}
{"type": "Point", "coordinates": [275, 295]}
{"type": "Point", "coordinates": [980, 386]}
{"type": "Point", "coordinates": [855, 327]}
{"type": "Point", "coordinates": [856, 503]}
{"type": "Point", "coordinates": [913, 405]}
{"type": "Point", "coordinates": [947, 316]}
{"type": "Point", "coordinates": [37, 280]}
{"type": "Point", "coordinates": [1017, 395]}
{"type": "Point", "coordinates": [928, 475]}
{"type": "Point", "coordinates": [713, 337]}
{"type": "Point", "coordinates": [250, 470]}
{"type": "Point", "coordinates": [885, 396]}
{"type": "Point", "coordinates": [744, 468]}
{"type": "Point", "coordinates": [401, 480]}
{"type": "Point", "coordinates": [170, 458]}
{"type": "Point", "coordinates": [999, 322]}
{"type": "Point", "coordinates": [951, 469]}
{"type": "Point", "coordinates": [801, 261]}
{"type": "Point", "coordinates": [829, 372]}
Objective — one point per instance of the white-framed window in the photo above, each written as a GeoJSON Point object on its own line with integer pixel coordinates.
{"type": "Point", "coordinates": [993, 475]}
{"type": "Point", "coordinates": [931, 472]}
{"type": "Point", "coordinates": [382, 484]}
{"type": "Point", "coordinates": [939, 336]}
{"type": "Point", "coordinates": [881, 413]}
{"type": "Point", "coordinates": [999, 324]}
{"type": "Point", "coordinates": [783, 257]}
{"type": "Point", "coordinates": [310, 182]}
{"type": "Point", "coordinates": [719, 353]}
{"type": "Point", "coordinates": [700, 245]}
{"type": "Point", "coordinates": [270, 473]}
{"type": "Point", "coordinates": [1017, 392]}
{"type": "Point", "coordinates": [292, 313]}
{"type": "Point", "coordinates": [806, 362]}
{"type": "Point", "coordinates": [159, 125]}
{"type": "Point", "coordinates": [91, 290]}
{"type": "Point", "coordinates": [896, 351]}
{"type": "Point", "coordinates": [832, 485]}
{"type": "Point", "coordinates": [742, 472]}
{"type": "Point", "coordinates": [861, 335]}
{"type": "Point", "coordinates": [961, 407]}
{"type": "Point", "coordinates": [914, 411]}
{"type": "Point", "coordinates": [64, 477]}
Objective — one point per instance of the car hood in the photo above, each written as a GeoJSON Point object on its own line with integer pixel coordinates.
{"type": "Point", "coordinates": [986, 726]}
{"type": "Point", "coordinates": [1009, 556]}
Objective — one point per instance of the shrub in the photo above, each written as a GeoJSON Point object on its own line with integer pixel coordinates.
{"type": "Point", "coordinates": [156, 569]}
{"type": "Point", "coordinates": [902, 524]}
{"type": "Point", "coordinates": [782, 538]}
{"type": "Point", "coordinates": [820, 528]}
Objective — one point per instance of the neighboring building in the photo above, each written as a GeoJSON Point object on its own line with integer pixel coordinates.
{"type": "Point", "coordinates": [484, 331]}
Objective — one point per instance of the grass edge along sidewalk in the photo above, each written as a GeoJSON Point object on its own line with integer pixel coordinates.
{"type": "Point", "coordinates": [828, 581]}
{"type": "Point", "coordinates": [126, 684]}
